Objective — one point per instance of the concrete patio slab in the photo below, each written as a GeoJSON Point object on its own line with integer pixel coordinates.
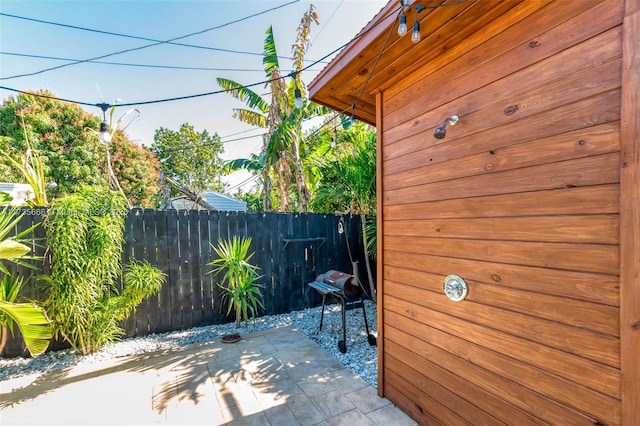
{"type": "Point", "coordinates": [277, 377]}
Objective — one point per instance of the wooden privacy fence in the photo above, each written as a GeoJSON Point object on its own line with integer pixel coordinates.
{"type": "Point", "coordinates": [291, 249]}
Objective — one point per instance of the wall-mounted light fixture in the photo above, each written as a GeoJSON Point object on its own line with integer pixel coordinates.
{"type": "Point", "coordinates": [441, 131]}
{"type": "Point", "coordinates": [455, 287]}
{"type": "Point", "coordinates": [402, 26]}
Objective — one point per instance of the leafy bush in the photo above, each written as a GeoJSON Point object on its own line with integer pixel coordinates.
{"type": "Point", "coordinates": [85, 235]}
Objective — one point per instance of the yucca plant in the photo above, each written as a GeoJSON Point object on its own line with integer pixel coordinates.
{"type": "Point", "coordinates": [240, 285]}
{"type": "Point", "coordinates": [32, 170]}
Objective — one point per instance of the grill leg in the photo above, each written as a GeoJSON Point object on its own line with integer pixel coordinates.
{"type": "Point", "coordinates": [342, 345]}
{"type": "Point", "coordinates": [371, 339]}
{"type": "Point", "coordinates": [364, 314]}
{"type": "Point", "coordinates": [324, 296]}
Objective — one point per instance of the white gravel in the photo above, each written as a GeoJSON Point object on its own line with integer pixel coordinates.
{"type": "Point", "coordinates": [360, 357]}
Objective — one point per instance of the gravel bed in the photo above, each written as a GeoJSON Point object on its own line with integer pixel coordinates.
{"type": "Point", "coordinates": [360, 357]}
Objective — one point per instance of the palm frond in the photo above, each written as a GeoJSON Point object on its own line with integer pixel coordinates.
{"type": "Point", "coordinates": [304, 39]}
{"type": "Point", "coordinates": [251, 117]}
{"type": "Point", "coordinates": [270, 55]}
{"type": "Point", "coordinates": [244, 94]}
{"type": "Point", "coordinates": [254, 163]}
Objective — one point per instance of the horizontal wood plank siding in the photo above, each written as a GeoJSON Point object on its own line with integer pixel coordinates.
{"type": "Point", "coordinates": [522, 199]}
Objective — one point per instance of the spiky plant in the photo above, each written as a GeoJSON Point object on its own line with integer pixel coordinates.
{"type": "Point", "coordinates": [239, 278]}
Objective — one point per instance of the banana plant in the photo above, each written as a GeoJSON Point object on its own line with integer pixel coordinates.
{"type": "Point", "coordinates": [30, 318]}
{"type": "Point", "coordinates": [282, 162]}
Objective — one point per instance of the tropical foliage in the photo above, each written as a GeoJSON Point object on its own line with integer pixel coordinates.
{"type": "Point", "coordinates": [190, 158]}
{"type": "Point", "coordinates": [239, 278]}
{"type": "Point", "coordinates": [30, 318]}
{"type": "Point", "coordinates": [280, 161]}
{"type": "Point", "coordinates": [64, 135]}
{"type": "Point", "coordinates": [348, 183]}
{"type": "Point", "coordinates": [32, 170]}
{"type": "Point", "coordinates": [85, 235]}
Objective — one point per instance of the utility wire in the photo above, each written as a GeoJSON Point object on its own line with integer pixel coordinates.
{"type": "Point", "coordinates": [125, 64]}
{"type": "Point", "coordinates": [105, 106]}
{"type": "Point", "coordinates": [128, 35]}
{"type": "Point", "coordinates": [194, 46]}
{"type": "Point", "coordinates": [243, 183]}
{"type": "Point", "coordinates": [150, 45]}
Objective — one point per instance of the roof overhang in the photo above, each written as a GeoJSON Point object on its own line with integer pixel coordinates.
{"type": "Point", "coordinates": [379, 58]}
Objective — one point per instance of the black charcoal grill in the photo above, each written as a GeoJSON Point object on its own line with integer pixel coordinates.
{"type": "Point", "coordinates": [346, 288]}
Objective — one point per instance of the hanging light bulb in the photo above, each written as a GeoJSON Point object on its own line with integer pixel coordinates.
{"type": "Point", "coordinates": [298, 96]}
{"type": "Point", "coordinates": [347, 122]}
{"type": "Point", "coordinates": [104, 136]}
{"type": "Point", "coordinates": [402, 28]}
{"type": "Point", "coordinates": [415, 34]}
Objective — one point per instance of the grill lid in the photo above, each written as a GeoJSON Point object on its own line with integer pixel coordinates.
{"type": "Point", "coordinates": [347, 283]}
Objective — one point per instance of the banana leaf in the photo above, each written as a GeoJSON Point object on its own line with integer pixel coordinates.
{"type": "Point", "coordinates": [33, 324]}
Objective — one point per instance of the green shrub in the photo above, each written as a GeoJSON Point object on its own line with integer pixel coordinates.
{"type": "Point", "coordinates": [85, 236]}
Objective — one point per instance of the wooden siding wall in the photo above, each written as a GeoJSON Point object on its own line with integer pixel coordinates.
{"type": "Point", "coordinates": [522, 200]}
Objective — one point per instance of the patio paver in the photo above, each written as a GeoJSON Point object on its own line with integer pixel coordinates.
{"type": "Point", "coordinates": [277, 377]}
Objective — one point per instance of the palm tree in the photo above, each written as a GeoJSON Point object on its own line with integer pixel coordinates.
{"type": "Point", "coordinates": [281, 146]}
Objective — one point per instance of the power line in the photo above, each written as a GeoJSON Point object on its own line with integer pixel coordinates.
{"type": "Point", "coordinates": [206, 145]}
{"type": "Point", "coordinates": [194, 46]}
{"type": "Point", "coordinates": [127, 35]}
{"type": "Point", "coordinates": [105, 106]}
{"type": "Point", "coordinates": [150, 45]}
{"type": "Point", "coordinates": [243, 183]}
{"type": "Point", "coordinates": [177, 67]}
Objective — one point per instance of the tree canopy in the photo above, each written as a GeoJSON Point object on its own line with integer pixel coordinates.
{"type": "Point", "coordinates": [64, 135]}
{"type": "Point", "coordinates": [190, 158]}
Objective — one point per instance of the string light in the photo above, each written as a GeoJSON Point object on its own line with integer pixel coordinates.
{"type": "Point", "coordinates": [402, 27]}
{"type": "Point", "coordinates": [415, 32]}
{"type": "Point", "coordinates": [298, 98]}
{"type": "Point", "coordinates": [178, 98]}
{"type": "Point", "coordinates": [104, 135]}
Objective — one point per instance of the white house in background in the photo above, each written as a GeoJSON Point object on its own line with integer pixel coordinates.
{"type": "Point", "coordinates": [222, 202]}
{"type": "Point", "coordinates": [208, 200]}
{"type": "Point", "coordinates": [19, 191]}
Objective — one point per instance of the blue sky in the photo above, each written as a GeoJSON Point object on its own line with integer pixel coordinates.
{"type": "Point", "coordinates": [340, 21]}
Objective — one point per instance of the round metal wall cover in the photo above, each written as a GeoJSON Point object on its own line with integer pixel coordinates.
{"type": "Point", "coordinates": [455, 287]}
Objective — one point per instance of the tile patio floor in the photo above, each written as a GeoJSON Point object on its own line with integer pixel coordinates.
{"type": "Point", "coordinates": [277, 377]}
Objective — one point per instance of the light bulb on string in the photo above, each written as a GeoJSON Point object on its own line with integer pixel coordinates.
{"type": "Point", "coordinates": [347, 122]}
{"type": "Point", "coordinates": [298, 98]}
{"type": "Point", "coordinates": [104, 136]}
{"type": "Point", "coordinates": [415, 34]}
{"type": "Point", "coordinates": [402, 27]}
